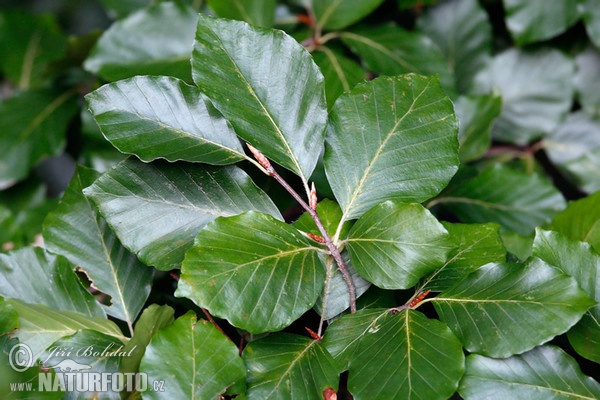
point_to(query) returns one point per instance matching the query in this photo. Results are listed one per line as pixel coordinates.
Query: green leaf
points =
(76, 231)
(396, 356)
(587, 80)
(36, 277)
(574, 147)
(259, 273)
(153, 319)
(274, 98)
(462, 31)
(40, 325)
(157, 209)
(153, 41)
(474, 245)
(591, 17)
(532, 21)
(286, 366)
(28, 44)
(578, 260)
(535, 98)
(580, 221)
(516, 200)
(505, 309)
(162, 117)
(390, 50)
(338, 14)
(341, 73)
(393, 245)
(33, 126)
(476, 115)
(257, 13)
(379, 132)
(543, 373)
(209, 367)
(330, 215)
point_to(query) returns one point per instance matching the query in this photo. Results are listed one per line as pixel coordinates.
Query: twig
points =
(333, 249)
(212, 321)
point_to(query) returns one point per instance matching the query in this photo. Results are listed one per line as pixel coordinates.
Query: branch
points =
(333, 249)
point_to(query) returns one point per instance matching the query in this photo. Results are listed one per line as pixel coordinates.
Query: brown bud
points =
(316, 238)
(313, 197)
(260, 157)
(329, 394)
(313, 334)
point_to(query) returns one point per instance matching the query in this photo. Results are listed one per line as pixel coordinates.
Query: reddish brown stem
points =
(212, 321)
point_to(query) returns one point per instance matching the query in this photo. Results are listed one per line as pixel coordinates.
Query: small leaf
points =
(535, 98)
(578, 260)
(517, 201)
(543, 373)
(505, 309)
(463, 32)
(532, 21)
(379, 132)
(33, 126)
(255, 12)
(259, 273)
(338, 14)
(153, 41)
(587, 80)
(286, 366)
(157, 209)
(162, 117)
(209, 366)
(274, 98)
(394, 244)
(580, 221)
(397, 356)
(36, 277)
(390, 50)
(75, 231)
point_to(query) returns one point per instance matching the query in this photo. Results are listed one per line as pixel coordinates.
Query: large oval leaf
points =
(395, 244)
(199, 361)
(505, 309)
(259, 273)
(391, 138)
(267, 86)
(157, 209)
(286, 366)
(162, 117)
(544, 373)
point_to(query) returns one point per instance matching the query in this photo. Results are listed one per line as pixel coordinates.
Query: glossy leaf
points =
(580, 221)
(75, 231)
(274, 98)
(535, 98)
(162, 117)
(543, 373)
(578, 260)
(474, 245)
(28, 44)
(505, 309)
(532, 21)
(36, 277)
(210, 366)
(33, 126)
(388, 49)
(341, 73)
(591, 17)
(286, 366)
(153, 41)
(397, 356)
(461, 29)
(587, 80)
(157, 209)
(476, 115)
(379, 132)
(393, 245)
(40, 325)
(517, 201)
(574, 147)
(338, 14)
(259, 273)
(257, 13)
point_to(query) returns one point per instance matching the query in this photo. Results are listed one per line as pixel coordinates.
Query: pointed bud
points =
(260, 157)
(316, 238)
(329, 394)
(313, 334)
(313, 197)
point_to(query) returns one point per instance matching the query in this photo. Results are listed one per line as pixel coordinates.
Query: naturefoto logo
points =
(70, 375)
